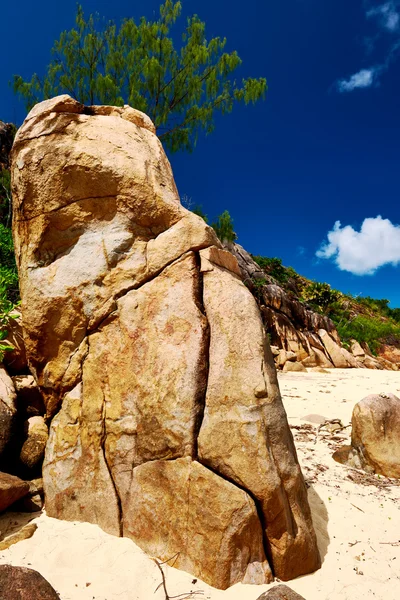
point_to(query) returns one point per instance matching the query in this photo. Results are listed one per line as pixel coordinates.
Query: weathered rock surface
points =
(294, 367)
(20, 583)
(159, 517)
(376, 433)
(36, 436)
(333, 350)
(356, 349)
(169, 425)
(8, 408)
(243, 408)
(280, 592)
(11, 489)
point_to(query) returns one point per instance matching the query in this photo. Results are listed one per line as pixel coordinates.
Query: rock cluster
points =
(167, 422)
(23, 437)
(300, 337)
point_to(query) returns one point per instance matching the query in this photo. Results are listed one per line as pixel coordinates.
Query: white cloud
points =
(387, 14)
(362, 79)
(363, 252)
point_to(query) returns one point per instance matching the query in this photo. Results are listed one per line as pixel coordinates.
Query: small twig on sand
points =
(390, 543)
(354, 543)
(164, 583)
(360, 509)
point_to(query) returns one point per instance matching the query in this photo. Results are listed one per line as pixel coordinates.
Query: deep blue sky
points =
(308, 156)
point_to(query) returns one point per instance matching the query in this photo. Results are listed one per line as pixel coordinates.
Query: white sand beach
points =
(356, 516)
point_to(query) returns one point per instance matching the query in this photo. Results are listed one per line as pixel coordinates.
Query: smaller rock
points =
(376, 433)
(372, 363)
(275, 350)
(280, 592)
(285, 356)
(351, 360)
(333, 349)
(19, 583)
(11, 489)
(32, 451)
(356, 349)
(310, 361)
(347, 455)
(24, 533)
(294, 367)
(29, 399)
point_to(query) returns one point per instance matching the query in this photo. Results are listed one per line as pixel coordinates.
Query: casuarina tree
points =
(180, 79)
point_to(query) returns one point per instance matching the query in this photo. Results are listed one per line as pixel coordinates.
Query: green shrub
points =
(224, 228)
(367, 329)
(320, 295)
(9, 293)
(274, 267)
(198, 210)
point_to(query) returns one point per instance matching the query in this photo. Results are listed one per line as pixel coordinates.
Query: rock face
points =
(297, 330)
(151, 353)
(376, 433)
(8, 408)
(36, 436)
(11, 489)
(20, 583)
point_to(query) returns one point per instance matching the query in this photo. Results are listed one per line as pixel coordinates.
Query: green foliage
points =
(5, 197)
(367, 329)
(274, 267)
(223, 227)
(258, 285)
(320, 295)
(180, 86)
(9, 293)
(198, 210)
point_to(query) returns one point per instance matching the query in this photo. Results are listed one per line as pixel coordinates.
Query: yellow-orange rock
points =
(179, 508)
(150, 352)
(244, 435)
(375, 433)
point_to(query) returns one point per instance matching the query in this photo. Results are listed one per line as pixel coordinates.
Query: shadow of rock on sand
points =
(320, 519)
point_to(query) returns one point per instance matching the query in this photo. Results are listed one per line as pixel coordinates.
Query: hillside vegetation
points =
(364, 319)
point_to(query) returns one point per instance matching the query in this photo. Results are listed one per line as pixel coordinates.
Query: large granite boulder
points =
(167, 421)
(375, 433)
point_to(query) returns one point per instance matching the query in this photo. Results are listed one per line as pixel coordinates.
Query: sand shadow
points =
(320, 519)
